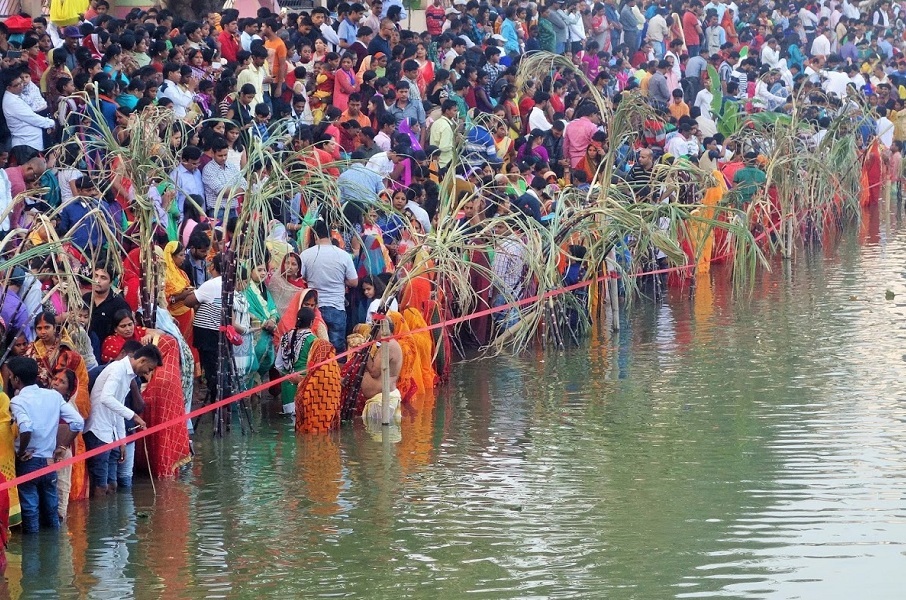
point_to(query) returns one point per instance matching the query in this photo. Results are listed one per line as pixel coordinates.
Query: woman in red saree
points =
(168, 450)
(284, 282)
(55, 353)
(287, 322)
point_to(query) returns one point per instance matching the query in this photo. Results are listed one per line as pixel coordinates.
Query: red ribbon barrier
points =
(264, 386)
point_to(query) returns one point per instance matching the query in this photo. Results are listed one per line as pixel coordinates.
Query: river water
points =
(718, 446)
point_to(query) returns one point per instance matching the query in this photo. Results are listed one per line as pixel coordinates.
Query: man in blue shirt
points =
(81, 216)
(358, 183)
(187, 177)
(38, 413)
(349, 27)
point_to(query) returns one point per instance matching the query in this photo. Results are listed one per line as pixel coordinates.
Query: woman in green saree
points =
(292, 356)
(264, 317)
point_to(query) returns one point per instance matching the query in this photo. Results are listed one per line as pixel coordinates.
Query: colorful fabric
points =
(262, 308)
(175, 281)
(288, 317)
(8, 434)
(424, 345)
(295, 353)
(442, 348)
(168, 450)
(373, 410)
(283, 289)
(51, 363)
(318, 396)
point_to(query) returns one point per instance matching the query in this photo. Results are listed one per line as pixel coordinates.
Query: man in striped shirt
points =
(207, 301)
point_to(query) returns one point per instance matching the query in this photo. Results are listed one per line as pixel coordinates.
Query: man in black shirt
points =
(103, 303)
(553, 143)
(640, 175)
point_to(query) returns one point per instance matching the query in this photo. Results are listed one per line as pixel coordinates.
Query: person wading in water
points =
(372, 387)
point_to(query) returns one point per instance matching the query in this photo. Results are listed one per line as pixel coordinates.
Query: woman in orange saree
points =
(424, 345)
(55, 353)
(318, 395)
(729, 26)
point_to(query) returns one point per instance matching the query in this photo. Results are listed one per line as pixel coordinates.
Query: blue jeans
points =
(335, 320)
(660, 49)
(102, 469)
(37, 497)
(125, 468)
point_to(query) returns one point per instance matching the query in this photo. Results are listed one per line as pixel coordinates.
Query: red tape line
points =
(211, 407)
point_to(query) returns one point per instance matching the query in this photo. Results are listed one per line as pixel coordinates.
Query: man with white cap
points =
(451, 15)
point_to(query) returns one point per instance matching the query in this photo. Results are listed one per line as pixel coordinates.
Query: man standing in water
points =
(373, 387)
(330, 271)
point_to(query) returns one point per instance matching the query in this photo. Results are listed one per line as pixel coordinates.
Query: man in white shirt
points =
(249, 33)
(222, 183)
(26, 127)
(106, 422)
(821, 46)
(172, 89)
(683, 143)
(835, 83)
(657, 33)
(770, 53)
(538, 117)
(37, 413)
(885, 127)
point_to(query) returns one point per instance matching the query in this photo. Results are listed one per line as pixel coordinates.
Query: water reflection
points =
(717, 445)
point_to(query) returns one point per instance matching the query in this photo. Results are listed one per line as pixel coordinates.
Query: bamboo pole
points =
(385, 374)
(613, 291)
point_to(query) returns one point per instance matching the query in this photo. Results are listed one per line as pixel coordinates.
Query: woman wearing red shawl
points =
(287, 322)
(284, 283)
(163, 396)
(589, 163)
(132, 278)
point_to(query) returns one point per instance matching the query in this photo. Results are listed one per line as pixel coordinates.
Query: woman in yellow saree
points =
(177, 287)
(8, 433)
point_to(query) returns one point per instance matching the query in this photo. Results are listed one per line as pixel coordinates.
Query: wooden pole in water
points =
(385, 374)
(613, 291)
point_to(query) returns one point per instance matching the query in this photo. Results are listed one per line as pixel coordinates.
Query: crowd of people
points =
(404, 121)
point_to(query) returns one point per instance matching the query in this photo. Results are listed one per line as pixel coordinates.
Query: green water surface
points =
(716, 447)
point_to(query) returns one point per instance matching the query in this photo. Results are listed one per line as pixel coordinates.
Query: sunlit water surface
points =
(718, 446)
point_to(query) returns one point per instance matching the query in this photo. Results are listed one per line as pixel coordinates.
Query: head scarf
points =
(283, 289)
(406, 127)
(175, 279)
(277, 243)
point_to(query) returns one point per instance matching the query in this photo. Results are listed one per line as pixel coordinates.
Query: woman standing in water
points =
(292, 356)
